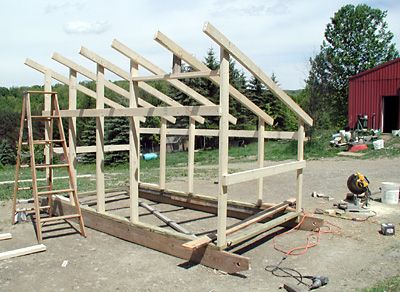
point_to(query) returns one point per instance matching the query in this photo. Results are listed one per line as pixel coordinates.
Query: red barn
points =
(376, 94)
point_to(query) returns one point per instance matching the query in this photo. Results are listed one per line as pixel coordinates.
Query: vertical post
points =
(101, 206)
(47, 107)
(134, 146)
(300, 157)
(72, 92)
(260, 161)
(223, 147)
(163, 152)
(176, 64)
(192, 136)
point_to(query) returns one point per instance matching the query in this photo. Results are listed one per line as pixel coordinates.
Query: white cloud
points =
(57, 6)
(85, 27)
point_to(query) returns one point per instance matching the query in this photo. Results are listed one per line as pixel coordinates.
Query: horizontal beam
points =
(232, 133)
(246, 62)
(92, 149)
(142, 112)
(129, 53)
(194, 74)
(22, 251)
(247, 175)
(198, 65)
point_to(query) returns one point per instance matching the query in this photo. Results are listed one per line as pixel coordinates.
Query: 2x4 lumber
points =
(198, 242)
(4, 236)
(92, 149)
(134, 147)
(260, 158)
(72, 99)
(232, 133)
(223, 147)
(47, 130)
(191, 148)
(299, 174)
(261, 228)
(246, 62)
(92, 76)
(100, 182)
(125, 75)
(163, 152)
(247, 175)
(166, 241)
(144, 112)
(22, 251)
(129, 53)
(194, 74)
(198, 65)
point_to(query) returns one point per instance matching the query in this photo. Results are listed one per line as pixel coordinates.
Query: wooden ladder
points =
(52, 117)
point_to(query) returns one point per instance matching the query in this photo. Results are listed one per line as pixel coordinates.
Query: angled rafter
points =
(246, 62)
(125, 75)
(123, 49)
(198, 65)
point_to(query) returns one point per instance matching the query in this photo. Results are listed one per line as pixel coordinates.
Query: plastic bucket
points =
(378, 144)
(390, 193)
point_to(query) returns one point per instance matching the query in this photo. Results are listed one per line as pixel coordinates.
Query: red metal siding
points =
(367, 89)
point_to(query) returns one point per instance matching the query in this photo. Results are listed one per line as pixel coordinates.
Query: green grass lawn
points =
(387, 285)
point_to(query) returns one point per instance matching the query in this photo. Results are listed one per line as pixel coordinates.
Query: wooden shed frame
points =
(132, 229)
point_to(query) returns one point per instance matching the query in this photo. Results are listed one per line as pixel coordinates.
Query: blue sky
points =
(279, 36)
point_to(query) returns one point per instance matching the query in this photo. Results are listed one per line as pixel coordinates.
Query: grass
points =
(388, 285)
(118, 175)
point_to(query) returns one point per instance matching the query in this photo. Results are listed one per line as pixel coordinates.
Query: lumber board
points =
(163, 152)
(260, 158)
(193, 74)
(299, 174)
(198, 65)
(246, 62)
(200, 241)
(247, 175)
(92, 149)
(4, 236)
(22, 251)
(166, 241)
(129, 53)
(144, 112)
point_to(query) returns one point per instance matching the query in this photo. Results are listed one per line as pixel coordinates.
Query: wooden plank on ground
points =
(4, 236)
(166, 241)
(22, 251)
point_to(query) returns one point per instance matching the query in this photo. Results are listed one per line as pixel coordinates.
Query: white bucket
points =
(378, 144)
(390, 193)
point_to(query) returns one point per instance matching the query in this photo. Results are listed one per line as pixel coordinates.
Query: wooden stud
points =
(223, 147)
(191, 148)
(176, 64)
(198, 65)
(100, 185)
(260, 159)
(4, 236)
(72, 126)
(134, 147)
(221, 40)
(123, 49)
(300, 158)
(163, 152)
(47, 107)
(22, 251)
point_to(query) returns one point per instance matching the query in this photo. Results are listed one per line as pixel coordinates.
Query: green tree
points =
(356, 39)
(7, 155)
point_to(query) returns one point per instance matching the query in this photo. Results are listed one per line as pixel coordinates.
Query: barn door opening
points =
(391, 113)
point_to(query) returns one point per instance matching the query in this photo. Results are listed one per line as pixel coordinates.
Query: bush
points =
(7, 155)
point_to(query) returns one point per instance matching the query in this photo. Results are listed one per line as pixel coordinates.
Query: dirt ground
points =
(356, 257)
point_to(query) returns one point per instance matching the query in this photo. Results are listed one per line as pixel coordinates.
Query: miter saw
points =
(358, 199)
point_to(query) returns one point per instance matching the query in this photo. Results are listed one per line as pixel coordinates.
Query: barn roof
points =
(379, 67)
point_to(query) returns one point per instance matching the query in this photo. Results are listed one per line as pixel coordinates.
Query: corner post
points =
(300, 157)
(191, 148)
(72, 92)
(223, 146)
(134, 146)
(260, 158)
(100, 186)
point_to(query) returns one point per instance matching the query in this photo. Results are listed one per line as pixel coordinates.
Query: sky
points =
(279, 36)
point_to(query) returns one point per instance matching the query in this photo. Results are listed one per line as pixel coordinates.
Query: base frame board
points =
(170, 242)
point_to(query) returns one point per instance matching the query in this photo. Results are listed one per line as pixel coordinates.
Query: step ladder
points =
(52, 117)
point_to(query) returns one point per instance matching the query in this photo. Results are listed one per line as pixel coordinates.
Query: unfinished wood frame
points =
(173, 242)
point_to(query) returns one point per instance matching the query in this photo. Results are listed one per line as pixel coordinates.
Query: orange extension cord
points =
(313, 238)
